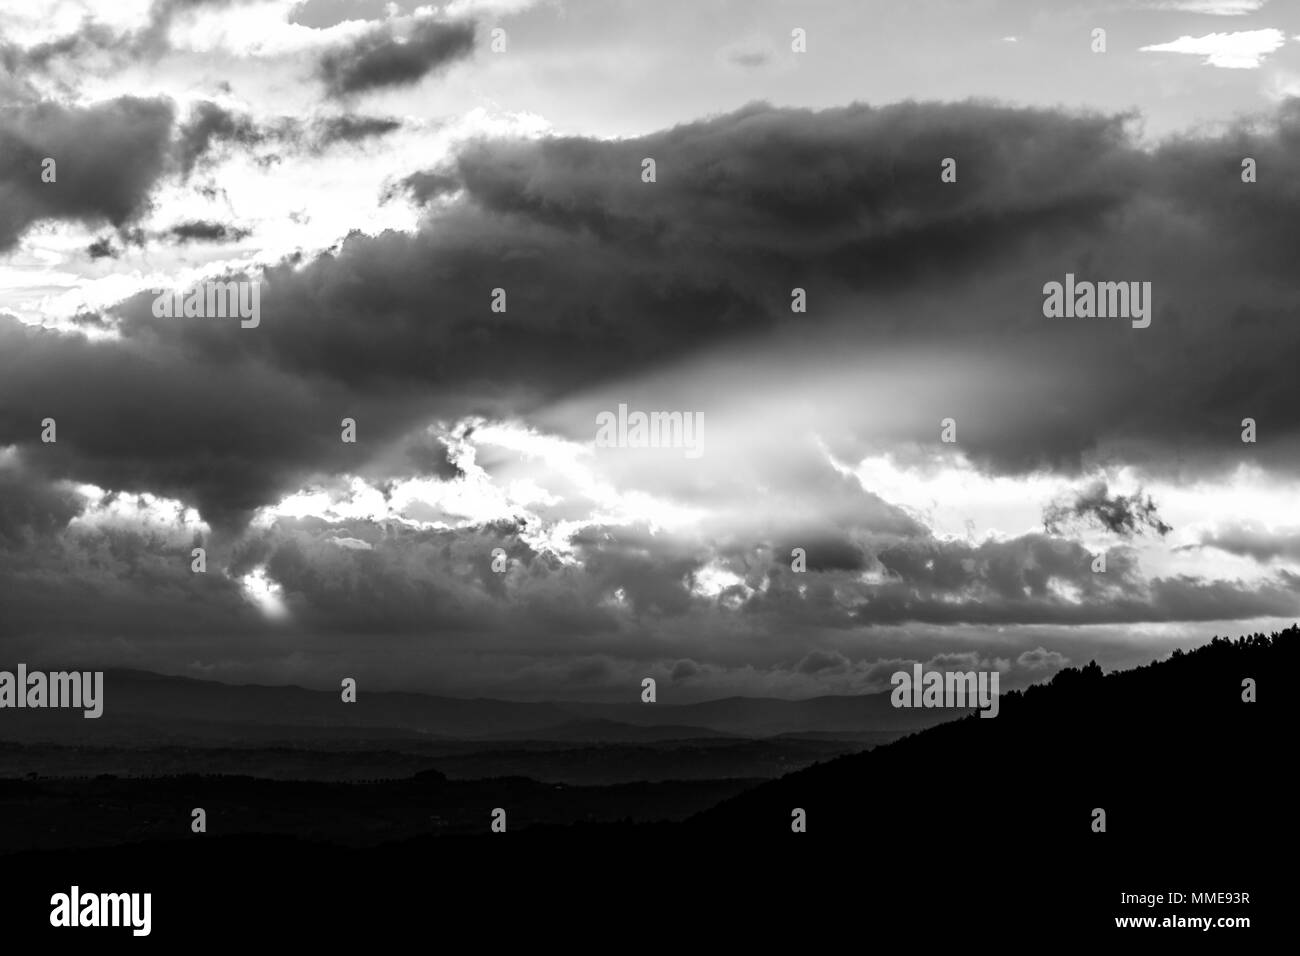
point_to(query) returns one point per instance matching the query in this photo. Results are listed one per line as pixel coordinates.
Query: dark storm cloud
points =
(32, 509)
(134, 600)
(1009, 571)
(101, 248)
(652, 576)
(609, 276)
(602, 281)
(203, 231)
(378, 59)
(429, 457)
(852, 190)
(1262, 544)
(818, 661)
(209, 124)
(684, 669)
(848, 202)
(1263, 221)
(226, 435)
(425, 186)
(1034, 579)
(1124, 515)
(407, 581)
(352, 129)
(342, 583)
(1030, 580)
(426, 306)
(109, 156)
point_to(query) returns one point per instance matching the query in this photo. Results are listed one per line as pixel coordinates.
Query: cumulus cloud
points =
(379, 59)
(108, 159)
(684, 670)
(1245, 50)
(209, 124)
(1262, 544)
(1040, 659)
(1124, 515)
(818, 661)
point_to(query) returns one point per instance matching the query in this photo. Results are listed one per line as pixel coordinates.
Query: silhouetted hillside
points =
(1170, 751)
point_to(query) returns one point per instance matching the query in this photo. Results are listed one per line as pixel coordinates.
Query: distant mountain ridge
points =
(143, 708)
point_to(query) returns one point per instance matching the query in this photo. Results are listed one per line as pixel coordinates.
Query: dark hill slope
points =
(1170, 751)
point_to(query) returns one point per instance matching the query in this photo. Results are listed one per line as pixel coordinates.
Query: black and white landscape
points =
(528, 455)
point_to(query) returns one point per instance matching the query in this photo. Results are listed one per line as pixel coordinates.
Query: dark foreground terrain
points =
(975, 829)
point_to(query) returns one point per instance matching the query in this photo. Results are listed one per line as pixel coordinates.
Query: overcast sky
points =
(379, 169)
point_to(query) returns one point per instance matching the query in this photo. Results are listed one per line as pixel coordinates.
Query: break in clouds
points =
(475, 537)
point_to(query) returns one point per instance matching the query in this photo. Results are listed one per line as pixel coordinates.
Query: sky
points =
(378, 170)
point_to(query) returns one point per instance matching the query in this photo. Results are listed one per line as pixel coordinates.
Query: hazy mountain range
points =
(144, 709)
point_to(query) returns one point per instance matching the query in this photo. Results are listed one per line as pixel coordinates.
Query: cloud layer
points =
(476, 424)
